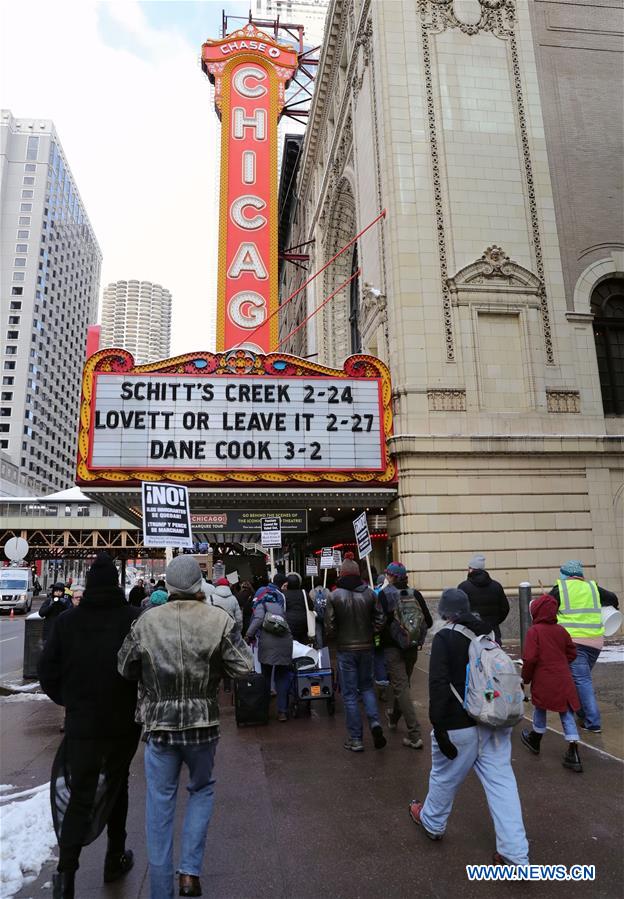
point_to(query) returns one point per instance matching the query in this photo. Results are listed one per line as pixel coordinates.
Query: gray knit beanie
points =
(453, 603)
(477, 562)
(184, 576)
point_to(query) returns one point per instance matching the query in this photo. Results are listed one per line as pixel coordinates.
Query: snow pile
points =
(23, 697)
(27, 837)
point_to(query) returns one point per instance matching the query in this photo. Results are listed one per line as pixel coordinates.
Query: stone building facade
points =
(478, 288)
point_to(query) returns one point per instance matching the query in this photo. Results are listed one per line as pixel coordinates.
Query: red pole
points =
(381, 215)
(318, 308)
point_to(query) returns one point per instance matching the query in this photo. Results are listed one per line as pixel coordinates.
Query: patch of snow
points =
(19, 687)
(21, 793)
(4, 788)
(27, 840)
(23, 697)
(612, 653)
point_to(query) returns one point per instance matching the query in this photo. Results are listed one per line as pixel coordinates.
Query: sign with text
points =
(271, 532)
(295, 521)
(311, 568)
(337, 558)
(362, 535)
(327, 557)
(250, 71)
(234, 417)
(166, 517)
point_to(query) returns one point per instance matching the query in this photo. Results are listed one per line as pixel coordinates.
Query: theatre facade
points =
(493, 288)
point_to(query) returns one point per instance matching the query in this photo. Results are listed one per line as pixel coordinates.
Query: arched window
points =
(354, 305)
(607, 305)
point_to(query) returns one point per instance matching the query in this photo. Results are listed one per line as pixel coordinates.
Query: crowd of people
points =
(152, 666)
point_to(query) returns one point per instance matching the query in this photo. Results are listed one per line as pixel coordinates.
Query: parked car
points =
(16, 589)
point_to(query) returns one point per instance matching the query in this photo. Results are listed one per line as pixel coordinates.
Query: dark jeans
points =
(283, 680)
(400, 665)
(85, 759)
(356, 680)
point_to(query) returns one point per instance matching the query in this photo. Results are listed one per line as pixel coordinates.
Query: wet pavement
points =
(298, 817)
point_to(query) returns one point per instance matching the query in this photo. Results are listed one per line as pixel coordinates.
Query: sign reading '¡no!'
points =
(250, 72)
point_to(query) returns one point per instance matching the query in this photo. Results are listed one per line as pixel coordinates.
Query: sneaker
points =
(499, 859)
(392, 725)
(282, 716)
(413, 744)
(415, 808)
(116, 864)
(354, 745)
(591, 730)
(378, 736)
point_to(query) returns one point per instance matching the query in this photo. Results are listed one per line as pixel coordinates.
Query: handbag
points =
(275, 624)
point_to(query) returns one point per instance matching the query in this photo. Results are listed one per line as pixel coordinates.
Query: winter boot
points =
(531, 740)
(571, 759)
(63, 885)
(117, 864)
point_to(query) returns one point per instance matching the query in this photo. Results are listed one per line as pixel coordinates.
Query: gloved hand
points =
(446, 747)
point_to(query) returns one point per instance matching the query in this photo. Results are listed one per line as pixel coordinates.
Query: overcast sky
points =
(122, 82)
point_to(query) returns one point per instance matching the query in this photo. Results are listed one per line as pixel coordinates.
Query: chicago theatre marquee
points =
(248, 427)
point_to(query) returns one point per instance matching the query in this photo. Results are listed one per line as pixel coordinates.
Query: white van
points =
(16, 589)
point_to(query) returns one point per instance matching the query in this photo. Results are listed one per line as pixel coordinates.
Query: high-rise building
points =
(136, 316)
(310, 13)
(49, 284)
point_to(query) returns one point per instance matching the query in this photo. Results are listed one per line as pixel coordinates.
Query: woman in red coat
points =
(548, 651)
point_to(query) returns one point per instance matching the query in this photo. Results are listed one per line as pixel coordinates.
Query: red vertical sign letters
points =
(250, 72)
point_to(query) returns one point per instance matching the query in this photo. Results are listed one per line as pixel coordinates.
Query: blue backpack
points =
(320, 601)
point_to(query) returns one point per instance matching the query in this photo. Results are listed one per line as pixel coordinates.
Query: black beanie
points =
(102, 573)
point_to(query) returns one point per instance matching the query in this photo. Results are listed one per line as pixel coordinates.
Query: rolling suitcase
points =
(251, 700)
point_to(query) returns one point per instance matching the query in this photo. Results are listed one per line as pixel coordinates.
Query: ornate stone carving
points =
(447, 399)
(563, 400)
(497, 17)
(494, 270)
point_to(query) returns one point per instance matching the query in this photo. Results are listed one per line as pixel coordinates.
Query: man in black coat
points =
(53, 606)
(78, 669)
(486, 595)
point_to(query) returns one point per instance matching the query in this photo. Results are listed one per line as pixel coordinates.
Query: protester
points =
(400, 658)
(382, 681)
(137, 594)
(579, 602)
(299, 611)
(69, 590)
(352, 616)
(223, 597)
(318, 596)
(274, 648)
(78, 669)
(157, 597)
(77, 596)
(178, 653)
(150, 586)
(547, 652)
(53, 606)
(244, 598)
(458, 744)
(279, 579)
(487, 597)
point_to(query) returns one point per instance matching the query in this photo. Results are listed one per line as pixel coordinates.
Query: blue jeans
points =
(581, 669)
(162, 773)
(356, 680)
(379, 667)
(283, 681)
(489, 753)
(568, 724)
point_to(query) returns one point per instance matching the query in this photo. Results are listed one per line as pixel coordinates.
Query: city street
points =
(297, 816)
(12, 644)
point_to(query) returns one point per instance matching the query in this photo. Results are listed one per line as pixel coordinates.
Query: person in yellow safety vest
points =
(580, 603)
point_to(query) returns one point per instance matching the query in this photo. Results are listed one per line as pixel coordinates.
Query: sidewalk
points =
(297, 817)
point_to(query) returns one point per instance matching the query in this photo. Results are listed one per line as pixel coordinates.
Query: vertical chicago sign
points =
(250, 72)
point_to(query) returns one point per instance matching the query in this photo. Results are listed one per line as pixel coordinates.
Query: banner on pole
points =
(311, 567)
(362, 535)
(166, 516)
(271, 532)
(327, 557)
